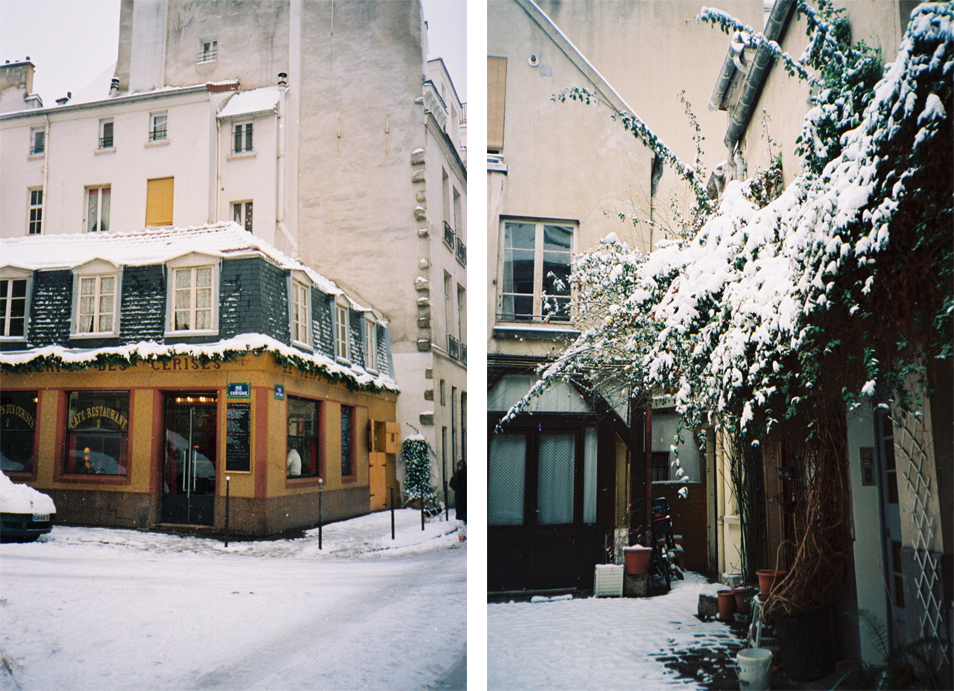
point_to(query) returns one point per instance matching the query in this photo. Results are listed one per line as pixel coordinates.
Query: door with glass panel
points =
(542, 507)
(189, 459)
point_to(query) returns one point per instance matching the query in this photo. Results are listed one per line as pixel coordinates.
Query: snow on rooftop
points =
(249, 102)
(149, 246)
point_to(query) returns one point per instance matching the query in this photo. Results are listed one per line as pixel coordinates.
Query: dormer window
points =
(96, 291)
(208, 51)
(300, 309)
(371, 345)
(193, 295)
(342, 341)
(14, 302)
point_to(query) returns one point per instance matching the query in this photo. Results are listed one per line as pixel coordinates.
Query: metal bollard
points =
(392, 512)
(320, 522)
(227, 480)
(422, 512)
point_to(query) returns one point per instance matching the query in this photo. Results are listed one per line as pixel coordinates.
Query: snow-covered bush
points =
(417, 470)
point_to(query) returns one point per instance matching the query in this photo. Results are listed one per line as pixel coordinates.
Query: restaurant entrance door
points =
(189, 462)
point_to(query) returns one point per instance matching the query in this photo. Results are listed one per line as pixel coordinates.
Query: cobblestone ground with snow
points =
(89, 608)
(611, 643)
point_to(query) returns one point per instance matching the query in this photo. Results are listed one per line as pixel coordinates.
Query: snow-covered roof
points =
(150, 246)
(252, 102)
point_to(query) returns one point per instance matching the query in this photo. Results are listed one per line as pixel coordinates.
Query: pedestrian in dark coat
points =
(458, 483)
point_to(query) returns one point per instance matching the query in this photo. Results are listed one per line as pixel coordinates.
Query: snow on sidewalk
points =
(361, 536)
(601, 642)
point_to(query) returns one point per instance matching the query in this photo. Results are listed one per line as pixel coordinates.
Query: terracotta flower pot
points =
(726, 604)
(637, 559)
(767, 580)
(741, 599)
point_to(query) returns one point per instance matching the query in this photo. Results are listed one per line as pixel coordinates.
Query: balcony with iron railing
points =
(106, 142)
(461, 252)
(453, 347)
(449, 236)
(207, 55)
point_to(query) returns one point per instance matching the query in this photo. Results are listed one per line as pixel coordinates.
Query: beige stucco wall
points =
(564, 161)
(650, 50)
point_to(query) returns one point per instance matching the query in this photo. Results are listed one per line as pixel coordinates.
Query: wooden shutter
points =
(496, 99)
(159, 202)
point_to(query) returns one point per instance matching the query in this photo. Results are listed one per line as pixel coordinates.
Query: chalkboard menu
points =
(238, 456)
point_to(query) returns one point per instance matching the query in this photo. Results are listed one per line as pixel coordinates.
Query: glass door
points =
(189, 462)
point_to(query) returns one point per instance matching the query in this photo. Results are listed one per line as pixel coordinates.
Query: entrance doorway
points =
(542, 490)
(189, 461)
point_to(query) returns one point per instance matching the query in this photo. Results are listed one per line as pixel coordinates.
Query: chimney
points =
(282, 79)
(114, 86)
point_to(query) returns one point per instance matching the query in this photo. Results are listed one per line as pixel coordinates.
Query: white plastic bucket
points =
(754, 667)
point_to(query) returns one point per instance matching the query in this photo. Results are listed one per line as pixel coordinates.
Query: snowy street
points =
(619, 643)
(90, 608)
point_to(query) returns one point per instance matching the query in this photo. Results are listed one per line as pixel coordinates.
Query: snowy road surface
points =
(114, 609)
(605, 643)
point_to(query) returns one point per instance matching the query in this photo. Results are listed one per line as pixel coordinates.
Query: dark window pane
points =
(520, 235)
(346, 465)
(557, 238)
(18, 422)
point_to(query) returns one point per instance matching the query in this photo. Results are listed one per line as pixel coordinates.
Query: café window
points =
(97, 430)
(17, 431)
(302, 458)
(347, 441)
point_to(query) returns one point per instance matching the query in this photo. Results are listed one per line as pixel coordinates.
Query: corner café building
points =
(141, 371)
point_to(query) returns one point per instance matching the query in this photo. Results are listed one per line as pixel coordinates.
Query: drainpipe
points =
(757, 74)
(218, 167)
(280, 164)
(46, 167)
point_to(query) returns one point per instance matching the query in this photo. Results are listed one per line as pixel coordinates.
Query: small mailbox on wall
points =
(867, 467)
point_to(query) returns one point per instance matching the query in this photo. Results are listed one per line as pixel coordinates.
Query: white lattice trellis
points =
(911, 443)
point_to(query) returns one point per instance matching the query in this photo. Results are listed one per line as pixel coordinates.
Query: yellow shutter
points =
(159, 202)
(496, 99)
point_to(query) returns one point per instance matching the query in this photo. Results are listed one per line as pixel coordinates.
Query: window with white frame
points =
(97, 208)
(13, 306)
(106, 133)
(370, 346)
(342, 345)
(301, 312)
(193, 298)
(158, 126)
(208, 51)
(36, 212)
(242, 214)
(242, 138)
(536, 262)
(37, 141)
(96, 308)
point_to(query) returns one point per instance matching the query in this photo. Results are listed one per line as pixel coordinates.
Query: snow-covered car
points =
(25, 513)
